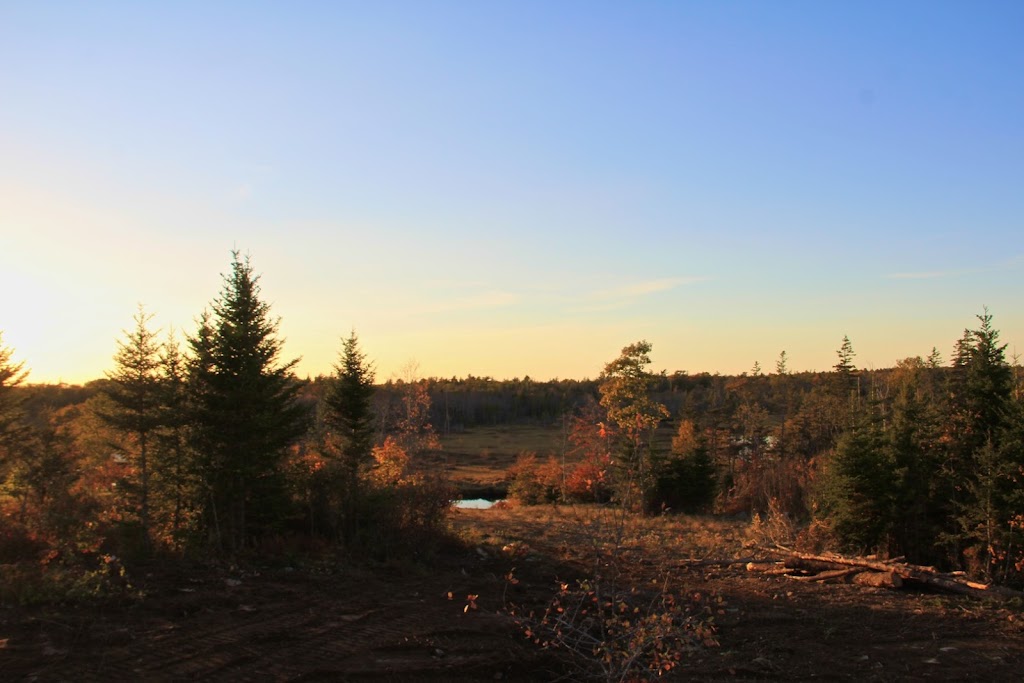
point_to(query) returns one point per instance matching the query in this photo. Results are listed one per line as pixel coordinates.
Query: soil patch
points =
(418, 622)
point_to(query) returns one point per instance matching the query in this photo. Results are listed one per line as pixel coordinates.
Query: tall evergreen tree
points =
(349, 406)
(781, 367)
(847, 379)
(174, 472)
(913, 438)
(980, 466)
(350, 420)
(989, 382)
(11, 375)
(12, 426)
(135, 397)
(686, 481)
(244, 414)
(845, 367)
(856, 491)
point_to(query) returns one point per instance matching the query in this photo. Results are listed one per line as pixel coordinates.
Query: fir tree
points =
(135, 397)
(349, 416)
(244, 414)
(11, 375)
(349, 406)
(847, 379)
(686, 481)
(913, 439)
(845, 367)
(858, 487)
(781, 366)
(980, 465)
(173, 474)
(12, 425)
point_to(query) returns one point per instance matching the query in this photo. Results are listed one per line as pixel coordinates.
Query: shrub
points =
(533, 483)
(588, 481)
(685, 483)
(406, 517)
(622, 635)
(617, 624)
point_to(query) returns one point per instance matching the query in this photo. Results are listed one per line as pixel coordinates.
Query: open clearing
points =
(410, 622)
(475, 460)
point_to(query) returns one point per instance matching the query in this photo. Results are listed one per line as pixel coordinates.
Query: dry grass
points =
(482, 455)
(620, 611)
(584, 532)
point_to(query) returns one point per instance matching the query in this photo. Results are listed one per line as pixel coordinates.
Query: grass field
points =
(478, 458)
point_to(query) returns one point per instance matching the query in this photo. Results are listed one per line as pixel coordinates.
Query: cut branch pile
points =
(868, 571)
(863, 571)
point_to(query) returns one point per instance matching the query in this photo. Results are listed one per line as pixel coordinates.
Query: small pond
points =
(474, 503)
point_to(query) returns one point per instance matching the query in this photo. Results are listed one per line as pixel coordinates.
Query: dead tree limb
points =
(712, 562)
(825, 577)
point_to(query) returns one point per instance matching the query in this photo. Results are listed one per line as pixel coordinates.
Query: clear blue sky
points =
(512, 188)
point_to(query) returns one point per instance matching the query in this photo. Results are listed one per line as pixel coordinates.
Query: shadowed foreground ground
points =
(400, 623)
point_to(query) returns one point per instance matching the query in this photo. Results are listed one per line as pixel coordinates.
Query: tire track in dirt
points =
(267, 631)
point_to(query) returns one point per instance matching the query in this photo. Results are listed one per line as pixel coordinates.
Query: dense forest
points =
(211, 444)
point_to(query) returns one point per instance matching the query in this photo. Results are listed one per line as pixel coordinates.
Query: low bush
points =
(533, 483)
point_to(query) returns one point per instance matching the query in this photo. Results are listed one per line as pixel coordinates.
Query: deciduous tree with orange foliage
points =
(626, 396)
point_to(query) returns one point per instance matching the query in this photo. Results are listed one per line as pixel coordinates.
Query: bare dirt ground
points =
(416, 622)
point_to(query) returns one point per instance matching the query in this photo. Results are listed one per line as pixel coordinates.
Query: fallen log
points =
(834, 561)
(878, 579)
(811, 565)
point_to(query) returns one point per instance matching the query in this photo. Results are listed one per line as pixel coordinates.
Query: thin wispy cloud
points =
(452, 283)
(927, 275)
(599, 308)
(619, 297)
(934, 274)
(1013, 262)
(654, 286)
(480, 301)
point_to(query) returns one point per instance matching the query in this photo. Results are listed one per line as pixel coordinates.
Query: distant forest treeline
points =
(457, 404)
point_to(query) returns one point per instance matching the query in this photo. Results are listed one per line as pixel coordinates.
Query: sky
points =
(515, 188)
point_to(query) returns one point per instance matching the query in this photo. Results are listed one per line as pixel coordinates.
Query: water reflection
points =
(475, 503)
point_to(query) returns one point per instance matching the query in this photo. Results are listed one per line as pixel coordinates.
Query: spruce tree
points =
(173, 473)
(135, 397)
(913, 439)
(845, 367)
(781, 367)
(989, 382)
(11, 375)
(349, 406)
(847, 380)
(858, 487)
(981, 465)
(349, 417)
(12, 426)
(686, 481)
(243, 411)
